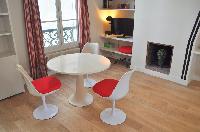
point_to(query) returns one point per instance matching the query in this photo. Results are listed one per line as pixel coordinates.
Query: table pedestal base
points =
(80, 98)
(87, 100)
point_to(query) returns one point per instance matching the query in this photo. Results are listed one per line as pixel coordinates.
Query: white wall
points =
(96, 25)
(18, 28)
(166, 22)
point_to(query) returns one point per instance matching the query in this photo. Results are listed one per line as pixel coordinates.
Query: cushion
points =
(105, 87)
(125, 49)
(46, 84)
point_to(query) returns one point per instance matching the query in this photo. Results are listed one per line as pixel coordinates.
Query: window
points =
(59, 24)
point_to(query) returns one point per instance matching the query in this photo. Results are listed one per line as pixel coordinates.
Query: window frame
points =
(61, 45)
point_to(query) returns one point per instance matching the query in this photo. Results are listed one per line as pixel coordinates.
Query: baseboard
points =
(196, 77)
(162, 76)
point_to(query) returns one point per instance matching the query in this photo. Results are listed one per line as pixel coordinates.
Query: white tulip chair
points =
(113, 90)
(42, 87)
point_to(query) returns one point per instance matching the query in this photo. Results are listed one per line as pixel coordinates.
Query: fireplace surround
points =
(170, 23)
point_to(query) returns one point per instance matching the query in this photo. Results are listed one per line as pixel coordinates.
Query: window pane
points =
(49, 22)
(68, 8)
(69, 16)
(47, 10)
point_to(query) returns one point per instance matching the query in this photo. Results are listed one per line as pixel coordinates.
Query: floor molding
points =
(162, 76)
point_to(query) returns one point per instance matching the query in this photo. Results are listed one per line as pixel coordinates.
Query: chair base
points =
(118, 118)
(41, 114)
(89, 83)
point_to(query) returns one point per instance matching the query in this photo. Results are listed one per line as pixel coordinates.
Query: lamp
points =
(109, 18)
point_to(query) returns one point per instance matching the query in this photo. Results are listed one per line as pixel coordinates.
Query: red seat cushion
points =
(105, 87)
(46, 84)
(125, 49)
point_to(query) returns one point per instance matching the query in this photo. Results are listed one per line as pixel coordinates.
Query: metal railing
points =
(51, 38)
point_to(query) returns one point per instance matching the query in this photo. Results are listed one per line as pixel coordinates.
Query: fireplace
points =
(159, 57)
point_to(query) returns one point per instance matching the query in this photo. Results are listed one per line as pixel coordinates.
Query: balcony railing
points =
(51, 38)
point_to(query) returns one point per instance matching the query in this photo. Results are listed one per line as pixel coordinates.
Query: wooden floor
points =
(152, 105)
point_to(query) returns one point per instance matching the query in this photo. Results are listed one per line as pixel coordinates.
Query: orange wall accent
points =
(103, 14)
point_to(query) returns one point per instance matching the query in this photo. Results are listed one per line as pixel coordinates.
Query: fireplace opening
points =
(159, 57)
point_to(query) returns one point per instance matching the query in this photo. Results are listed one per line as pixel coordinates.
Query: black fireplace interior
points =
(152, 57)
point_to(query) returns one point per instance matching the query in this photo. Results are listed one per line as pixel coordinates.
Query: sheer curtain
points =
(34, 38)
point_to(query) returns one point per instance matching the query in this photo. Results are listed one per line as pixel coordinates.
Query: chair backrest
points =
(92, 48)
(28, 80)
(122, 87)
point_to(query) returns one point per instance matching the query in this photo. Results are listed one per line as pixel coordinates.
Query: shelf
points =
(3, 6)
(196, 51)
(4, 25)
(5, 34)
(119, 39)
(6, 46)
(118, 9)
(3, 14)
(6, 54)
(114, 51)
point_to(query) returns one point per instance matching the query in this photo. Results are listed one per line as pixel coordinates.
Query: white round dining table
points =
(79, 64)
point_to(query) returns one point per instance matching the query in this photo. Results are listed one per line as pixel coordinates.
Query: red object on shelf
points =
(125, 49)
